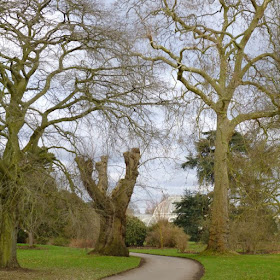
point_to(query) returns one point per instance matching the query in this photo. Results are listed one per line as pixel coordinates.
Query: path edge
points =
(141, 263)
(197, 276)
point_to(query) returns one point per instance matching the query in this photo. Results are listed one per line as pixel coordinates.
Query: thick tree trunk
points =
(219, 228)
(106, 221)
(8, 235)
(111, 241)
(111, 207)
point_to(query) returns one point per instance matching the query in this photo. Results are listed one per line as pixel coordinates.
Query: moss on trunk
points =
(8, 235)
(111, 241)
(111, 207)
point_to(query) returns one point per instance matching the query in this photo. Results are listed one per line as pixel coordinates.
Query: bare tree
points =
(59, 61)
(213, 49)
(112, 206)
(34, 209)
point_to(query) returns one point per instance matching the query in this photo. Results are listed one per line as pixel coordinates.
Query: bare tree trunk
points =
(111, 240)
(30, 238)
(8, 237)
(111, 207)
(219, 228)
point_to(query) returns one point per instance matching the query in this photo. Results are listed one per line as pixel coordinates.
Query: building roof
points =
(164, 210)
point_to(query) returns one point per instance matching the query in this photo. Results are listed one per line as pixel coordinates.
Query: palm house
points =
(163, 211)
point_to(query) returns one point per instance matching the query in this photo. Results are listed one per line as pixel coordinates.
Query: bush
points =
(81, 243)
(164, 234)
(181, 240)
(60, 241)
(253, 234)
(136, 232)
(43, 240)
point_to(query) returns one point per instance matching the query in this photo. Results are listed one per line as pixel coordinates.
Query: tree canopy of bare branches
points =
(59, 62)
(224, 53)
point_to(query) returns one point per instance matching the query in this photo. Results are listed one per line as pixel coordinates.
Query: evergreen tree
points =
(193, 213)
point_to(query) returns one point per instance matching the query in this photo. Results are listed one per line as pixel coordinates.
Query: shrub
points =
(252, 234)
(60, 241)
(164, 234)
(136, 232)
(181, 240)
(42, 240)
(81, 243)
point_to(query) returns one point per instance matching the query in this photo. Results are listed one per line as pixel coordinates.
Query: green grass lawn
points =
(239, 267)
(61, 263)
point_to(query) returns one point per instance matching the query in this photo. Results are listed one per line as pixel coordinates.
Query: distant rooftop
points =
(164, 210)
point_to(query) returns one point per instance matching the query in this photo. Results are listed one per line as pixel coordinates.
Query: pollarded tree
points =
(59, 61)
(222, 53)
(111, 206)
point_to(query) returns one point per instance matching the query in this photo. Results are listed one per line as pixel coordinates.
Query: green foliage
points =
(193, 215)
(136, 232)
(52, 214)
(203, 160)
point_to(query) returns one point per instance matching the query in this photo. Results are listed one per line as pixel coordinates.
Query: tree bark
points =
(111, 240)
(219, 228)
(111, 207)
(30, 239)
(8, 237)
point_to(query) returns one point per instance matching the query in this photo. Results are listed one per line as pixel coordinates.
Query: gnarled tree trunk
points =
(111, 207)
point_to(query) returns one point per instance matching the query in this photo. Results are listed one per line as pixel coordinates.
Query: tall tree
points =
(110, 206)
(59, 61)
(212, 48)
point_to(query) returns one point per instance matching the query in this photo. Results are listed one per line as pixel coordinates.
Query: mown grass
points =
(239, 267)
(61, 263)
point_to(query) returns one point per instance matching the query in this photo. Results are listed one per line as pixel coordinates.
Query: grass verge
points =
(239, 267)
(52, 262)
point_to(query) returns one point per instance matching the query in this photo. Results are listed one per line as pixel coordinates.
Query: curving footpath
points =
(163, 268)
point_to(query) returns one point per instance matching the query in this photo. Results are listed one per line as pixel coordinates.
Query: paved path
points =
(161, 268)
